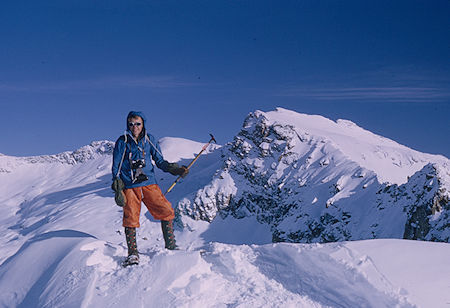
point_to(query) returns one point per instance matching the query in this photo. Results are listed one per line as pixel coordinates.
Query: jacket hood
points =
(132, 114)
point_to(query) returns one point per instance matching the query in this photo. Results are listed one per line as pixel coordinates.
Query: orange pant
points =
(154, 200)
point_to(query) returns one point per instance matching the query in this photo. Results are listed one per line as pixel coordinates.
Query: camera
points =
(139, 175)
(136, 164)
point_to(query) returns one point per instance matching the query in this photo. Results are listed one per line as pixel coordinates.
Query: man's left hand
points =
(175, 169)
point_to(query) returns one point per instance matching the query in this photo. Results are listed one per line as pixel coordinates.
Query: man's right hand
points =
(119, 197)
(117, 184)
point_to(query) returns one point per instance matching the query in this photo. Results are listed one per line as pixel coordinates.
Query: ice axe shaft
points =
(192, 162)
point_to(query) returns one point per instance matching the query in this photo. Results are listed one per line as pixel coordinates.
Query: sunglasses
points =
(131, 124)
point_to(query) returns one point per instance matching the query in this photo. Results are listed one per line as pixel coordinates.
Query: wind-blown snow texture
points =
(62, 240)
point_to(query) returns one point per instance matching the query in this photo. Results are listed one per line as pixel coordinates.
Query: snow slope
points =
(62, 243)
(175, 149)
(391, 161)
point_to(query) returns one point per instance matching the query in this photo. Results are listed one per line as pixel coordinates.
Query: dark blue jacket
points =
(146, 148)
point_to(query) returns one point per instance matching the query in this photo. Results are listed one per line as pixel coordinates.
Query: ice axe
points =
(192, 162)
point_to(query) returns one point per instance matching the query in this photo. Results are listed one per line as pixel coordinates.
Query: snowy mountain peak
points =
(390, 161)
(314, 180)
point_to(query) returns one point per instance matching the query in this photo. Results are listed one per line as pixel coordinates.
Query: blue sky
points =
(71, 70)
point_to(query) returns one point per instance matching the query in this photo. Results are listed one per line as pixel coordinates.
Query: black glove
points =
(175, 169)
(118, 186)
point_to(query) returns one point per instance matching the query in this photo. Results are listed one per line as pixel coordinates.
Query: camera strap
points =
(134, 175)
(151, 143)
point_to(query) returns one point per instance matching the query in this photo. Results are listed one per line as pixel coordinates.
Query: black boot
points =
(169, 237)
(133, 255)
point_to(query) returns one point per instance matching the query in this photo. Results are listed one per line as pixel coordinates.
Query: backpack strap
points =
(123, 155)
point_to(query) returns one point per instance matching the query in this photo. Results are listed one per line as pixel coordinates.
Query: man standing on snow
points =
(134, 182)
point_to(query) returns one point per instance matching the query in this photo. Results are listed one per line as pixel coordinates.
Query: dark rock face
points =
(428, 209)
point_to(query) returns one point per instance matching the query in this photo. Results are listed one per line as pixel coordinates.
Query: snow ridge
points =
(88, 152)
